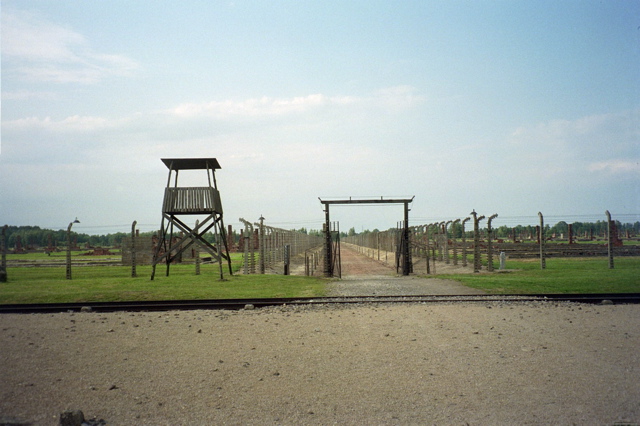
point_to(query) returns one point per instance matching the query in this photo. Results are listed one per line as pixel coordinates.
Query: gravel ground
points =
(498, 363)
(455, 363)
(397, 286)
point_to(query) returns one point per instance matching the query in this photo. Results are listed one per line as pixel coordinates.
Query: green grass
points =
(114, 283)
(562, 275)
(47, 284)
(42, 258)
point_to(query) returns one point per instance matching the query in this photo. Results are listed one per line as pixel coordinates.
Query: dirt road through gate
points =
(363, 276)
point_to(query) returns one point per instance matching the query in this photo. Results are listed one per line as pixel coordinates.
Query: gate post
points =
(328, 270)
(406, 256)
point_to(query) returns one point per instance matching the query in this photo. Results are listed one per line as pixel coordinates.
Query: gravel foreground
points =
(475, 363)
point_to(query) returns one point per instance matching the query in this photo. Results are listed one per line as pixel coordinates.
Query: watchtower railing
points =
(192, 200)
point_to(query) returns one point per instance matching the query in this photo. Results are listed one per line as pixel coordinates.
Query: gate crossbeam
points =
(380, 200)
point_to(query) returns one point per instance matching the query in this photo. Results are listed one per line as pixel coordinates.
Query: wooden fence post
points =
(196, 251)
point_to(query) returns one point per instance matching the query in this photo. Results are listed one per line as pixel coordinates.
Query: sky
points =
(506, 107)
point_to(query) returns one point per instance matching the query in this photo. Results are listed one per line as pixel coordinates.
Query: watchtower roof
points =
(191, 163)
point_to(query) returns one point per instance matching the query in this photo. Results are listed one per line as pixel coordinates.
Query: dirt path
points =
(358, 265)
(364, 276)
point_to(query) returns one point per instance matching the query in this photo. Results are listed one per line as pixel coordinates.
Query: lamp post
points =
(69, 248)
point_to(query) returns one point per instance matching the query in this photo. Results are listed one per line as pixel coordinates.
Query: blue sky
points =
(504, 107)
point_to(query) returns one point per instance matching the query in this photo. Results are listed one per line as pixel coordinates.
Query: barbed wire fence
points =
(433, 246)
(280, 251)
(445, 242)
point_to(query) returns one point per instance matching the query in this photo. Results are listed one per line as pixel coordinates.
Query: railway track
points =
(236, 304)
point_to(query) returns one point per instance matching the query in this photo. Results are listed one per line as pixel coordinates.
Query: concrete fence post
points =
(570, 233)
(446, 241)
(287, 258)
(543, 261)
(489, 243)
(477, 264)
(464, 242)
(262, 248)
(133, 249)
(609, 238)
(425, 240)
(434, 234)
(454, 241)
(3, 261)
(69, 251)
(440, 242)
(245, 246)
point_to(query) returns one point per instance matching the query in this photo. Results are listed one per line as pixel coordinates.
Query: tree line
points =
(34, 236)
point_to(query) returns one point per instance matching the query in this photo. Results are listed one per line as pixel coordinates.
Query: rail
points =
(236, 304)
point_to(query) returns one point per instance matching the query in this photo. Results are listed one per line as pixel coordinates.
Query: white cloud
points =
(74, 123)
(258, 107)
(393, 98)
(586, 141)
(616, 167)
(22, 95)
(399, 97)
(39, 50)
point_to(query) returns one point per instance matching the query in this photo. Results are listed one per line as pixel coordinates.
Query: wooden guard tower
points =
(182, 201)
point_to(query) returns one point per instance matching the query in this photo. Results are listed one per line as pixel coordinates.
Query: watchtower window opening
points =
(191, 200)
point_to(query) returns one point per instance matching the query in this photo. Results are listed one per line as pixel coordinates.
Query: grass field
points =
(562, 275)
(47, 284)
(114, 283)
